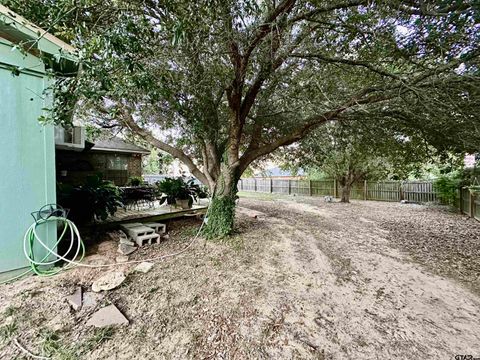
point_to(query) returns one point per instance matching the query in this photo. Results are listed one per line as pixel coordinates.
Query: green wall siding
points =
(27, 154)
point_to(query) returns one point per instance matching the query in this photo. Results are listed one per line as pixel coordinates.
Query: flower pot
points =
(184, 204)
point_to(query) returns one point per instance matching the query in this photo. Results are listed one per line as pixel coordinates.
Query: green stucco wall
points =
(27, 161)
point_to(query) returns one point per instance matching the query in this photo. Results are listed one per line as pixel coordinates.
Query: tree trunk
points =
(221, 212)
(346, 189)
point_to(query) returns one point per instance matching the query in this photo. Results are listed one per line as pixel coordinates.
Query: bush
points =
(447, 188)
(135, 181)
(203, 192)
(95, 200)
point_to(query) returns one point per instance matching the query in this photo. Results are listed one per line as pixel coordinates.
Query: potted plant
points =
(135, 181)
(178, 191)
(96, 199)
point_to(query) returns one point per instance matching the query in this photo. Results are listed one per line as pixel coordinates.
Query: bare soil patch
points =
(311, 280)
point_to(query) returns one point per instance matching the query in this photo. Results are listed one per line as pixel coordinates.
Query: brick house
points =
(114, 158)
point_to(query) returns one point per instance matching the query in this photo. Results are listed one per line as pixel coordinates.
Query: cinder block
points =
(130, 225)
(141, 233)
(150, 238)
(158, 227)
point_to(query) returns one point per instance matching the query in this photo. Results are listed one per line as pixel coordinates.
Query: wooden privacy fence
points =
(469, 203)
(415, 191)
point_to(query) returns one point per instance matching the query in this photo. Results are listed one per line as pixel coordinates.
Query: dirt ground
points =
(310, 280)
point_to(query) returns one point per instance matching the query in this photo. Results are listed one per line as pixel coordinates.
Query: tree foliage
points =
(157, 162)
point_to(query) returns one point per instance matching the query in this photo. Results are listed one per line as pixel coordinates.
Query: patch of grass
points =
(259, 195)
(7, 331)
(53, 347)
(99, 336)
(215, 261)
(188, 232)
(9, 311)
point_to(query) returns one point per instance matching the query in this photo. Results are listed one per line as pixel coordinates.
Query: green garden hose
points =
(31, 237)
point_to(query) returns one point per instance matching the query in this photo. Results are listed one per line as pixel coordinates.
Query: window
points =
(117, 162)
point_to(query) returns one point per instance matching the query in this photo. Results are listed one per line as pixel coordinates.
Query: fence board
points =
(465, 201)
(323, 187)
(384, 191)
(420, 191)
(476, 207)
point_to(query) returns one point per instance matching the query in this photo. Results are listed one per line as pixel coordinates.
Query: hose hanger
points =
(48, 211)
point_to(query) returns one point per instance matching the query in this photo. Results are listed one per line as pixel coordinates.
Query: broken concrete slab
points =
(126, 241)
(144, 267)
(108, 281)
(107, 316)
(90, 300)
(121, 258)
(75, 300)
(126, 249)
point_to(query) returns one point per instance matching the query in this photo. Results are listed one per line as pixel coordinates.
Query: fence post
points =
(401, 191)
(472, 204)
(309, 187)
(289, 187)
(271, 185)
(334, 188)
(365, 190)
(460, 200)
(255, 184)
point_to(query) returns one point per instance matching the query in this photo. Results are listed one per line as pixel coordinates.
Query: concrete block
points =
(107, 316)
(130, 225)
(150, 239)
(158, 227)
(142, 234)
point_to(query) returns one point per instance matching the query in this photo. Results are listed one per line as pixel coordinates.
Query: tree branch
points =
(130, 123)
(311, 123)
(347, 62)
(345, 5)
(264, 29)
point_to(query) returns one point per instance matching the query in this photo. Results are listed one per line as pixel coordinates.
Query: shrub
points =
(95, 200)
(203, 192)
(135, 181)
(447, 188)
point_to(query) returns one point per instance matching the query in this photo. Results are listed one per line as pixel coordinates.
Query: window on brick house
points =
(117, 162)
